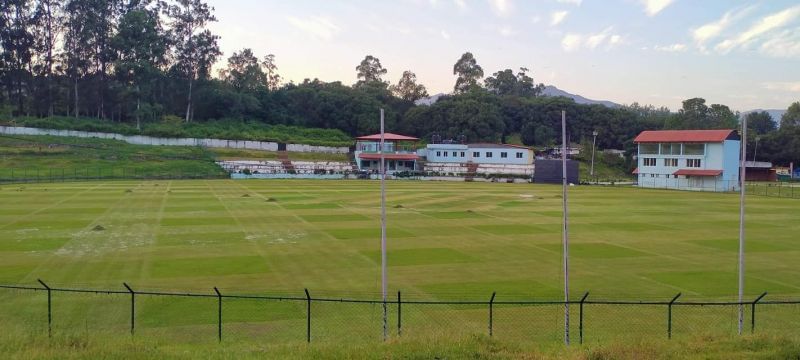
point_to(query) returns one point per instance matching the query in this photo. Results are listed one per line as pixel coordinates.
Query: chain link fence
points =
(216, 316)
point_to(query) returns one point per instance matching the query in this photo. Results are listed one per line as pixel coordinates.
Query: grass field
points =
(447, 241)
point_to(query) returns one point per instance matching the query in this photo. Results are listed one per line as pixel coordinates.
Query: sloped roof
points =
(635, 171)
(387, 136)
(698, 172)
(686, 136)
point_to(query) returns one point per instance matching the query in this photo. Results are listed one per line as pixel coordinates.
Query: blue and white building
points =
(478, 158)
(706, 160)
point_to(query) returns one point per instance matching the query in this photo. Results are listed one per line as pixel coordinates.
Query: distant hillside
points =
(551, 90)
(775, 113)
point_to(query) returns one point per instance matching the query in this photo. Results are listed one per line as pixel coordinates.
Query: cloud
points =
(461, 4)
(574, 42)
(445, 35)
(761, 27)
(536, 19)
(790, 86)
(557, 17)
(317, 26)
(501, 7)
(507, 31)
(711, 30)
(671, 48)
(573, 2)
(571, 42)
(653, 7)
(786, 44)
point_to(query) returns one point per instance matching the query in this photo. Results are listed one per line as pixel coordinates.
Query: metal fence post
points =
(491, 313)
(133, 307)
(753, 312)
(399, 315)
(580, 318)
(669, 315)
(308, 316)
(219, 314)
(49, 309)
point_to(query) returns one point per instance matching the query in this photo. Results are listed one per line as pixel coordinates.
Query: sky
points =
(745, 54)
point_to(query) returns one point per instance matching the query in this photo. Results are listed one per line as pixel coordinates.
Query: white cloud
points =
(783, 45)
(536, 19)
(506, 31)
(461, 4)
(761, 27)
(574, 2)
(501, 7)
(671, 48)
(790, 86)
(571, 42)
(445, 35)
(713, 29)
(595, 40)
(557, 17)
(318, 26)
(653, 7)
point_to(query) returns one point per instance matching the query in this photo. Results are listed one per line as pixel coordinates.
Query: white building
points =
(705, 160)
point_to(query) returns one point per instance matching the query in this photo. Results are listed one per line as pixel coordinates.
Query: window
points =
(652, 175)
(648, 149)
(670, 149)
(649, 161)
(462, 154)
(694, 149)
(671, 162)
(476, 154)
(445, 154)
(519, 155)
(438, 153)
(694, 163)
(503, 154)
(488, 154)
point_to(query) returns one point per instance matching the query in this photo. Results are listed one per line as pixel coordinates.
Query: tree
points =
(791, 118)
(273, 79)
(468, 73)
(760, 123)
(408, 89)
(196, 47)
(244, 72)
(47, 25)
(78, 46)
(141, 47)
(369, 72)
(17, 43)
(507, 83)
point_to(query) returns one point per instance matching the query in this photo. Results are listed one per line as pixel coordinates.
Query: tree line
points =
(145, 62)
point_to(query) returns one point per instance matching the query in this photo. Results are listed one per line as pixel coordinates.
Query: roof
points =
(635, 171)
(698, 172)
(387, 137)
(686, 136)
(758, 164)
(377, 156)
(496, 146)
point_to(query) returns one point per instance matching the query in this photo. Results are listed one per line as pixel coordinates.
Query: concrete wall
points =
(149, 140)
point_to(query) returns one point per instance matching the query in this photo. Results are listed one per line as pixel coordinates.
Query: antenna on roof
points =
(436, 138)
(462, 138)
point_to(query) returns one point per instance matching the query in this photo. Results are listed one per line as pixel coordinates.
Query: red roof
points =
(698, 172)
(690, 136)
(387, 137)
(635, 171)
(377, 156)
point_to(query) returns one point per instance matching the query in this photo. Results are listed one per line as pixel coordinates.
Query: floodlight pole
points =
(594, 142)
(383, 233)
(565, 228)
(742, 173)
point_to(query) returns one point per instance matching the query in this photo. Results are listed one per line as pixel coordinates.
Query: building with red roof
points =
(399, 152)
(705, 160)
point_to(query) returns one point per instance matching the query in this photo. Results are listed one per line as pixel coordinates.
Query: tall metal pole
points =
(565, 229)
(742, 171)
(383, 233)
(594, 145)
